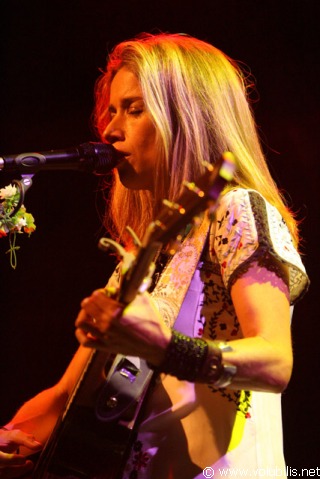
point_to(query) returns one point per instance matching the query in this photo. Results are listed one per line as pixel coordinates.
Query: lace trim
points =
(266, 254)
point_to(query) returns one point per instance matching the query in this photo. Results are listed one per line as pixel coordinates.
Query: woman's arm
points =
(39, 415)
(263, 357)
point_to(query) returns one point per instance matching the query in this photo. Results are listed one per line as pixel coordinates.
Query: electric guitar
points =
(92, 438)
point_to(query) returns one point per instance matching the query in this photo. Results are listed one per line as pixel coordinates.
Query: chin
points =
(132, 180)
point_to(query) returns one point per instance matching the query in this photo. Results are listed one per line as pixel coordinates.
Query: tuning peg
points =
(229, 165)
(134, 236)
(207, 165)
(106, 244)
(174, 206)
(194, 188)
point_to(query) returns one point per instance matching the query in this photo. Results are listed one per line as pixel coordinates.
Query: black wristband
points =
(184, 358)
(195, 360)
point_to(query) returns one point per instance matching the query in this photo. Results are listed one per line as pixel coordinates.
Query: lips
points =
(122, 154)
(123, 161)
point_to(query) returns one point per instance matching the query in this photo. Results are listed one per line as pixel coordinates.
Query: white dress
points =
(191, 431)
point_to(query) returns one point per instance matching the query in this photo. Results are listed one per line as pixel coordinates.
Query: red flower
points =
(141, 460)
(2, 233)
(28, 230)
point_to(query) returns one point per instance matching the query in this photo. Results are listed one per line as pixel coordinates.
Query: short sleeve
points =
(248, 229)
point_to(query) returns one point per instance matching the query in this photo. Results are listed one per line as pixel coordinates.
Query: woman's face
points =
(132, 132)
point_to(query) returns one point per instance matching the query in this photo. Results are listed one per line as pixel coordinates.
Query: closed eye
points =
(135, 111)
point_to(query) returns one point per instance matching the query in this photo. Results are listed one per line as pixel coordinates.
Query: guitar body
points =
(85, 449)
(93, 436)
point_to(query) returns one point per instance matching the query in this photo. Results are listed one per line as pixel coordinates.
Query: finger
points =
(94, 322)
(11, 459)
(82, 337)
(100, 307)
(9, 472)
(29, 441)
(14, 465)
(103, 302)
(89, 332)
(11, 439)
(98, 311)
(91, 306)
(88, 341)
(114, 306)
(83, 317)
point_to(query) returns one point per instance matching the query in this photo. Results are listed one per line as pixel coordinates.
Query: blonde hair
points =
(197, 98)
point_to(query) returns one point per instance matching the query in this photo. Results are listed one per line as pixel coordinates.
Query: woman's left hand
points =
(13, 464)
(136, 330)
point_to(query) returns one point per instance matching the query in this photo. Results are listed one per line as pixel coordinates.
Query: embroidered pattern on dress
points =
(221, 323)
(139, 460)
(241, 398)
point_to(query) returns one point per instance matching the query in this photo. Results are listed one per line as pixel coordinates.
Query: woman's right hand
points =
(13, 464)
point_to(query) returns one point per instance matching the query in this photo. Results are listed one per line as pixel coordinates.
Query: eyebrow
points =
(125, 102)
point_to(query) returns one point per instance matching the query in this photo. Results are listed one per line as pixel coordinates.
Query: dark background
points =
(51, 53)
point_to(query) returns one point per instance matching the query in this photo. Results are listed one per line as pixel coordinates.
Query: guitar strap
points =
(171, 290)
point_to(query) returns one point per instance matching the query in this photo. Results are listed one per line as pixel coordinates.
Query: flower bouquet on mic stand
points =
(14, 218)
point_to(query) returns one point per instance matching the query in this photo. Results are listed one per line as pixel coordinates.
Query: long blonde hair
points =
(197, 98)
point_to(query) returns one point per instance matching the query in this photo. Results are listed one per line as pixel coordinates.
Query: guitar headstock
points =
(195, 199)
(172, 219)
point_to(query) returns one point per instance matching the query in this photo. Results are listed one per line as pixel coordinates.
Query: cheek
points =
(149, 141)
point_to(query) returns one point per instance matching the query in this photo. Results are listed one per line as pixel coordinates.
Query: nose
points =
(114, 131)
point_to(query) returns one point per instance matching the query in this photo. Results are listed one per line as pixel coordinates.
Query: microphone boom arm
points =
(91, 157)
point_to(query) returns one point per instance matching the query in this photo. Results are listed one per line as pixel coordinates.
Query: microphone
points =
(91, 157)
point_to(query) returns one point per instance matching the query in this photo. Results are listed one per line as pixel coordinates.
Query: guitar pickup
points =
(128, 370)
(124, 386)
